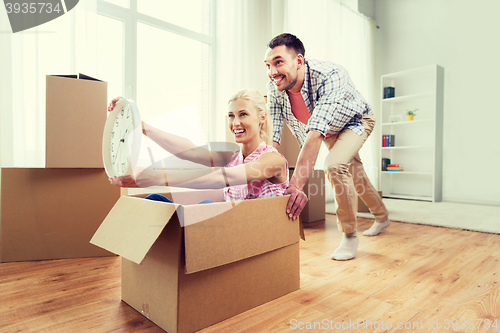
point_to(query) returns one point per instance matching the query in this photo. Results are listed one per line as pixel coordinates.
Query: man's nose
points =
(272, 71)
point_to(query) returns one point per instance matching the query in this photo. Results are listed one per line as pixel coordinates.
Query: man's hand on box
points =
(297, 201)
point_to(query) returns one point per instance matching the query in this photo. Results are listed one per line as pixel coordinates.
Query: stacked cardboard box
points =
(52, 212)
(361, 206)
(315, 186)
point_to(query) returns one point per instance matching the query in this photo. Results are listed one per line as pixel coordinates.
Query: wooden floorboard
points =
(410, 275)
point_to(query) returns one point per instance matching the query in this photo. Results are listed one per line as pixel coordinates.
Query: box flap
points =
(132, 226)
(86, 77)
(249, 228)
(77, 76)
(69, 76)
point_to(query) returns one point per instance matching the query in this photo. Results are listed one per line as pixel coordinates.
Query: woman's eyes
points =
(241, 114)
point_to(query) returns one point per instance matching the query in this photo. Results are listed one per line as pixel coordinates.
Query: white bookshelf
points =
(418, 143)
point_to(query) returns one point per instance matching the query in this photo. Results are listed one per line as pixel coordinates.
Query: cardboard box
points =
(315, 191)
(289, 147)
(52, 213)
(187, 266)
(76, 108)
(361, 206)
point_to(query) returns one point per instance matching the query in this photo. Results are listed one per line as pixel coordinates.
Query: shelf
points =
(407, 173)
(409, 197)
(407, 147)
(401, 123)
(418, 142)
(407, 73)
(406, 98)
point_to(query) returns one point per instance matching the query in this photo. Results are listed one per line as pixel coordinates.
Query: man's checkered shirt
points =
(331, 98)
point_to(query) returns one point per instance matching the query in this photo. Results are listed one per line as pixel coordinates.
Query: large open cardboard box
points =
(76, 111)
(52, 213)
(187, 266)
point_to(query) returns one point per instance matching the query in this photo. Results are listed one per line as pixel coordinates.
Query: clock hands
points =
(118, 156)
(118, 150)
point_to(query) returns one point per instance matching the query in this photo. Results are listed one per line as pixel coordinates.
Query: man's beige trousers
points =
(345, 171)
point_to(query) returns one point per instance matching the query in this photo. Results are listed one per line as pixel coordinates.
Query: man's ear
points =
(300, 61)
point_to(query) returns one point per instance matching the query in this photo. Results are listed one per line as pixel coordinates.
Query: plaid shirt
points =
(331, 98)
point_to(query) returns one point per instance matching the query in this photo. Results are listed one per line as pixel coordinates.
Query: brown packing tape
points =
(145, 310)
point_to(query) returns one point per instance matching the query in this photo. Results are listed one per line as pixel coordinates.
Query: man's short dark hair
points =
(290, 41)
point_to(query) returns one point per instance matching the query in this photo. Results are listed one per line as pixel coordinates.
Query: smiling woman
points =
(255, 170)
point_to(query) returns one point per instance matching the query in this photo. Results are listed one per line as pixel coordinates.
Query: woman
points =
(256, 170)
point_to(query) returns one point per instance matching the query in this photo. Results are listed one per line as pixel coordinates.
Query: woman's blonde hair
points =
(259, 103)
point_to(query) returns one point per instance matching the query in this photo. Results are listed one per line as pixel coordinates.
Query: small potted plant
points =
(410, 114)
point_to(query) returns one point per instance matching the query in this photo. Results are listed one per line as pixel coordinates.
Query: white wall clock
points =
(122, 139)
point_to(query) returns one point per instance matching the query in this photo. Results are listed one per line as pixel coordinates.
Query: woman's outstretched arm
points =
(270, 166)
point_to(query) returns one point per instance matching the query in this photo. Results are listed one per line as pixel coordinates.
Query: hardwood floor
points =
(421, 277)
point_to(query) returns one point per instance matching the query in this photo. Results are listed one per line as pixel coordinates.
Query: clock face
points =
(121, 140)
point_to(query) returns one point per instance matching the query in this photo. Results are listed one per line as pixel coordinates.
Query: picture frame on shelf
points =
(396, 119)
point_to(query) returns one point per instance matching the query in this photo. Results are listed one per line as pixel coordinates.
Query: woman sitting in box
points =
(256, 170)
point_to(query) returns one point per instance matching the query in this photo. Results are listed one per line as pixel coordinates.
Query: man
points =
(319, 103)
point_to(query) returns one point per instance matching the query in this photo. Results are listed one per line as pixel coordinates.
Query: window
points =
(189, 14)
(159, 53)
(110, 60)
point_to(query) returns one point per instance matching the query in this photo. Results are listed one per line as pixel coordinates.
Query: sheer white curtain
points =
(336, 33)
(66, 45)
(329, 31)
(241, 33)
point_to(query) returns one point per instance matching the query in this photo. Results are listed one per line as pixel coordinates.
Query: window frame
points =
(130, 18)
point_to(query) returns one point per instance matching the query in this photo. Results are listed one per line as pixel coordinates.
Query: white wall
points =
(462, 36)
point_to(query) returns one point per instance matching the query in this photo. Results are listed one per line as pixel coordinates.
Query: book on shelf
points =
(392, 139)
(389, 92)
(394, 168)
(388, 140)
(385, 162)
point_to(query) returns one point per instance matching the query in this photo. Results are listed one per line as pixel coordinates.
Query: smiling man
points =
(319, 103)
